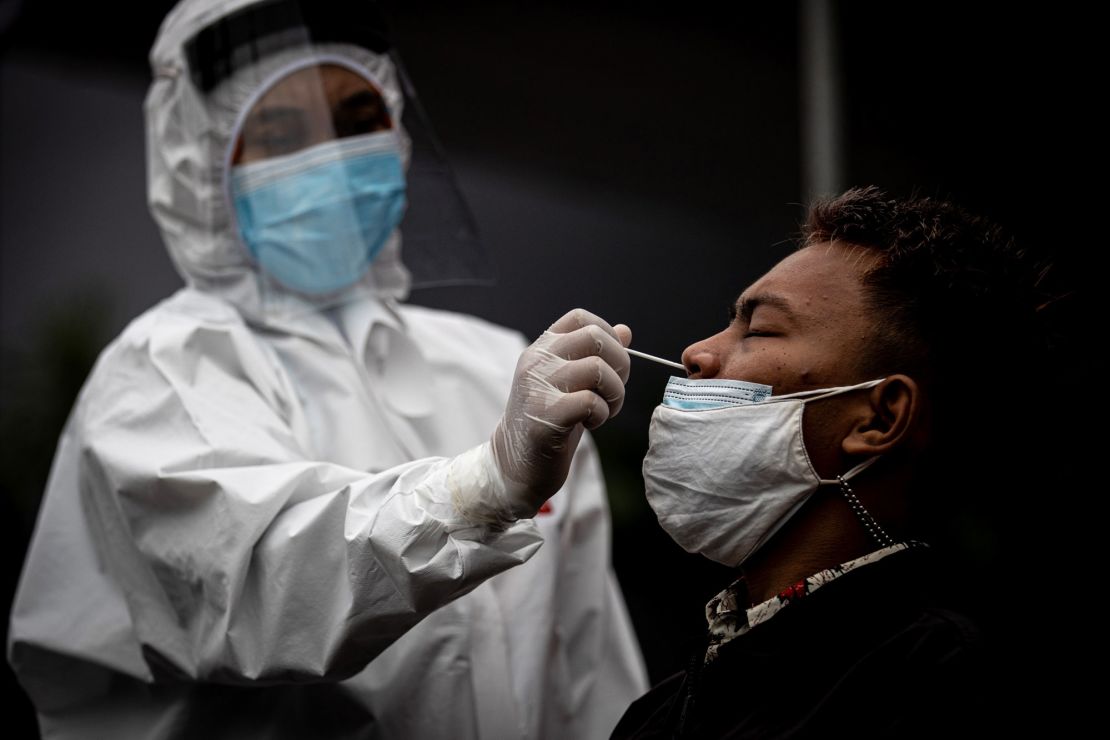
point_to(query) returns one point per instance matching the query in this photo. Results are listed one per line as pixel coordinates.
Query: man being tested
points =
(288, 505)
(815, 437)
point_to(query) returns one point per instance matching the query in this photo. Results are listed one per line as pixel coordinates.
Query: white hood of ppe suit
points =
(189, 139)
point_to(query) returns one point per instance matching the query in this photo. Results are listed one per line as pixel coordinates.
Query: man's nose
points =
(701, 360)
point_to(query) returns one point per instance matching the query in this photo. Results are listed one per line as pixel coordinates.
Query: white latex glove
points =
(570, 379)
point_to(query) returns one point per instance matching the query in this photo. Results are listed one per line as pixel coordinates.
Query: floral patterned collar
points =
(728, 619)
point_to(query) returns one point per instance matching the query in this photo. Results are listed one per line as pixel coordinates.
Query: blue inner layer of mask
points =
(702, 395)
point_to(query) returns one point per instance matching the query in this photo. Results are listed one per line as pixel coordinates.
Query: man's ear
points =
(889, 420)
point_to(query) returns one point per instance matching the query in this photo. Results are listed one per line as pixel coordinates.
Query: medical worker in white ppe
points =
(287, 504)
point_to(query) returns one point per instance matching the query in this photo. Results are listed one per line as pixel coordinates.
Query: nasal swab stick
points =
(653, 358)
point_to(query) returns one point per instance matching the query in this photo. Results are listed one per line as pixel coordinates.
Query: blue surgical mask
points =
(315, 220)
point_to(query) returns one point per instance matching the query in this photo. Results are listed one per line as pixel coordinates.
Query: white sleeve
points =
(241, 559)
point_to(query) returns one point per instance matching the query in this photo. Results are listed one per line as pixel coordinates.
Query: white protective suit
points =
(247, 530)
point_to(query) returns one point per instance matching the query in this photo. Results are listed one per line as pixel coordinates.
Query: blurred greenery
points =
(39, 381)
(39, 384)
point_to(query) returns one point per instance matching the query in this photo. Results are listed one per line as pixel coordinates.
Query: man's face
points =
(803, 325)
(308, 107)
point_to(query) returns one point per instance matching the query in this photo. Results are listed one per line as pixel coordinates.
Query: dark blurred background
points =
(643, 161)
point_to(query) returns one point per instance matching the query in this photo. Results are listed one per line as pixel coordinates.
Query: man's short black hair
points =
(954, 295)
(960, 307)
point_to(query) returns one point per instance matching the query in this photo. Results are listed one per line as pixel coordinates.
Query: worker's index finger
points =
(590, 340)
(578, 318)
(624, 334)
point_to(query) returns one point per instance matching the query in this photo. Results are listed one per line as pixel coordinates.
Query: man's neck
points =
(823, 534)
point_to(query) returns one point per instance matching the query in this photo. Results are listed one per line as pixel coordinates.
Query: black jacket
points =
(867, 655)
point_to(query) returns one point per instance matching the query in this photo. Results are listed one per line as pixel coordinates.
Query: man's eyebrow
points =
(745, 306)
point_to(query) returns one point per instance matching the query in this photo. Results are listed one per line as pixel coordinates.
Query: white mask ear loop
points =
(876, 532)
(825, 393)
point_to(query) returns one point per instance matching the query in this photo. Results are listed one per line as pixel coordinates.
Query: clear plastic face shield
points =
(318, 173)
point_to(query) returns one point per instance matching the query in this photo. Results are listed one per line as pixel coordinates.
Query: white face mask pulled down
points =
(726, 465)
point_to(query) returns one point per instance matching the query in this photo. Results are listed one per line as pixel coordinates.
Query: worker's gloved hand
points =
(571, 378)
